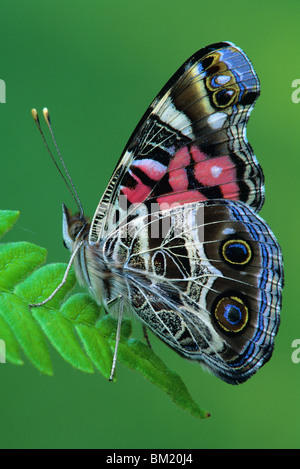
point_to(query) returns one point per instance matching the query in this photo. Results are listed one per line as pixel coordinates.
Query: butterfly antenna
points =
(118, 335)
(72, 187)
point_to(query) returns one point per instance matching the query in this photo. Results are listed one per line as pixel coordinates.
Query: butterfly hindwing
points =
(207, 279)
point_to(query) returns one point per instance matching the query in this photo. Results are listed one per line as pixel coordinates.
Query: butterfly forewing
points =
(191, 143)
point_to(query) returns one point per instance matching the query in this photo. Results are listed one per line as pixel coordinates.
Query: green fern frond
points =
(75, 326)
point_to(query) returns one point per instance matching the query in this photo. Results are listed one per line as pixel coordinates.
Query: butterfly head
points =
(75, 227)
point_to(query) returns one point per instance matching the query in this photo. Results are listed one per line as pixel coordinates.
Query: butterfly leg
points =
(111, 302)
(42, 303)
(146, 336)
(117, 341)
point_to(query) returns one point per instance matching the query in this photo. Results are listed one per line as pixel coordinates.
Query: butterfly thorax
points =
(96, 266)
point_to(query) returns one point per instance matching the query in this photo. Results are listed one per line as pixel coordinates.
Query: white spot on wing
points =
(175, 118)
(216, 171)
(228, 231)
(222, 79)
(216, 120)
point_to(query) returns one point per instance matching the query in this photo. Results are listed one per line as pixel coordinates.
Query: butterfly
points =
(176, 238)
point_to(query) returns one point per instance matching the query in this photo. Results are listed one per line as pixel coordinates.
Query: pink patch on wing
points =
(178, 178)
(217, 171)
(198, 155)
(137, 194)
(173, 200)
(153, 169)
(231, 191)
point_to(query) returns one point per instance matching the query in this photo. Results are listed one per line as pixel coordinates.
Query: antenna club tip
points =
(46, 115)
(34, 114)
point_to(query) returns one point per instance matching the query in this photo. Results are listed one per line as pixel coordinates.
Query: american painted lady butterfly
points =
(175, 237)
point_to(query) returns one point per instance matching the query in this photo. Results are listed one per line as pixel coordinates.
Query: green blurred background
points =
(97, 65)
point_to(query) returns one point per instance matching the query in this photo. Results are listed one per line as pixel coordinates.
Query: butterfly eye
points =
(231, 314)
(236, 251)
